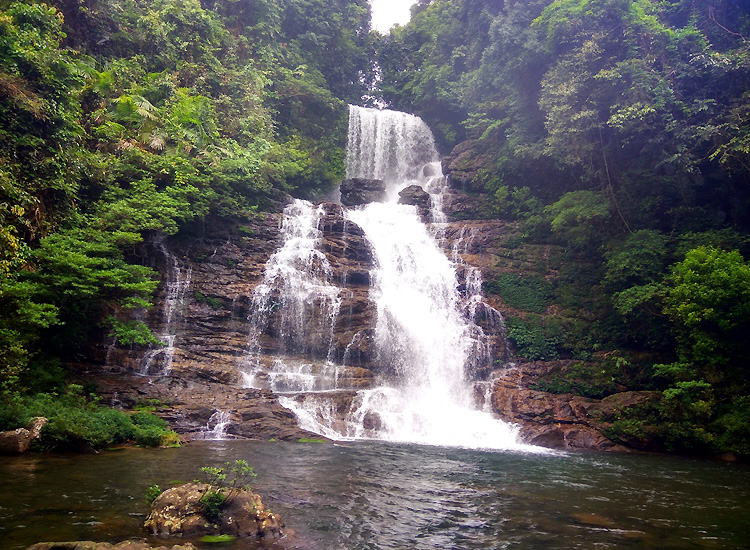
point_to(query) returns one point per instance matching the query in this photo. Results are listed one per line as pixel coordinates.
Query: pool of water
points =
(369, 495)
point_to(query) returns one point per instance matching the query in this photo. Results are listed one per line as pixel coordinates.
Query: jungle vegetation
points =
(615, 131)
(121, 120)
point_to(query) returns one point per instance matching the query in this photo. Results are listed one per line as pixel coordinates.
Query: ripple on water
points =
(387, 496)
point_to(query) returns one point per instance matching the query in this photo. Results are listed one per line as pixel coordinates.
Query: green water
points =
(369, 495)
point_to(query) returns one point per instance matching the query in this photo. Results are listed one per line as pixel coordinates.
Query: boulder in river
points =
(16, 442)
(179, 512)
(416, 196)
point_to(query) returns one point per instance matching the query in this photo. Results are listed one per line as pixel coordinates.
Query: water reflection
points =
(386, 496)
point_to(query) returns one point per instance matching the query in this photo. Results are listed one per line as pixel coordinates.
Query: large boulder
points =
(357, 191)
(416, 196)
(18, 441)
(90, 545)
(179, 512)
(464, 166)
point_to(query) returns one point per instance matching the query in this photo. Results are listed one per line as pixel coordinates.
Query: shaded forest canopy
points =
(617, 131)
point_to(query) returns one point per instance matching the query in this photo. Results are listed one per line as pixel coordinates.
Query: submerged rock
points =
(90, 545)
(179, 512)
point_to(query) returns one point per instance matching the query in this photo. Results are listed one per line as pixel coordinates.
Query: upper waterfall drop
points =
(395, 147)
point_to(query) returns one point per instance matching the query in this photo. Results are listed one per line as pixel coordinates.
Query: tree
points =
(709, 303)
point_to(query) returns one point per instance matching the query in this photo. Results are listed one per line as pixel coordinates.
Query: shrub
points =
(151, 430)
(97, 427)
(152, 493)
(535, 339)
(226, 482)
(594, 380)
(132, 334)
(75, 421)
(213, 303)
(212, 503)
(532, 294)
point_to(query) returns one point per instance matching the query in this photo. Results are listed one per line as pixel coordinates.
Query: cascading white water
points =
(216, 427)
(297, 305)
(158, 361)
(425, 334)
(376, 148)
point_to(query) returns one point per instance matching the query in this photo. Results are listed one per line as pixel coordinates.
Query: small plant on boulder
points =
(226, 482)
(223, 504)
(212, 504)
(152, 493)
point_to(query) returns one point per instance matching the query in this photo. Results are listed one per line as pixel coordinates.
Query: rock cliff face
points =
(208, 326)
(204, 308)
(203, 312)
(545, 419)
(559, 420)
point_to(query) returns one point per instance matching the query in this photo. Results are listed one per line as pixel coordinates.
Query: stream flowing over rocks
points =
(288, 312)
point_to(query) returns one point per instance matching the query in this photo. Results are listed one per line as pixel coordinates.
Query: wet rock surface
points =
(226, 261)
(416, 196)
(358, 191)
(223, 264)
(559, 420)
(188, 401)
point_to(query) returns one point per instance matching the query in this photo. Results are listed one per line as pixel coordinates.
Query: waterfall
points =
(376, 148)
(216, 427)
(296, 306)
(158, 361)
(428, 346)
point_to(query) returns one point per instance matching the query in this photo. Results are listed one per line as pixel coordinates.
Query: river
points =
(376, 495)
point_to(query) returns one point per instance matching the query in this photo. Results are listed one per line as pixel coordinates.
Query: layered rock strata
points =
(358, 191)
(226, 262)
(559, 420)
(210, 327)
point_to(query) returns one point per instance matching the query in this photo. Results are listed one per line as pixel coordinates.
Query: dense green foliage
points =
(121, 121)
(77, 422)
(525, 293)
(616, 130)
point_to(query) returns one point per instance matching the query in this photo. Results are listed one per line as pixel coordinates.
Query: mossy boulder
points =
(181, 512)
